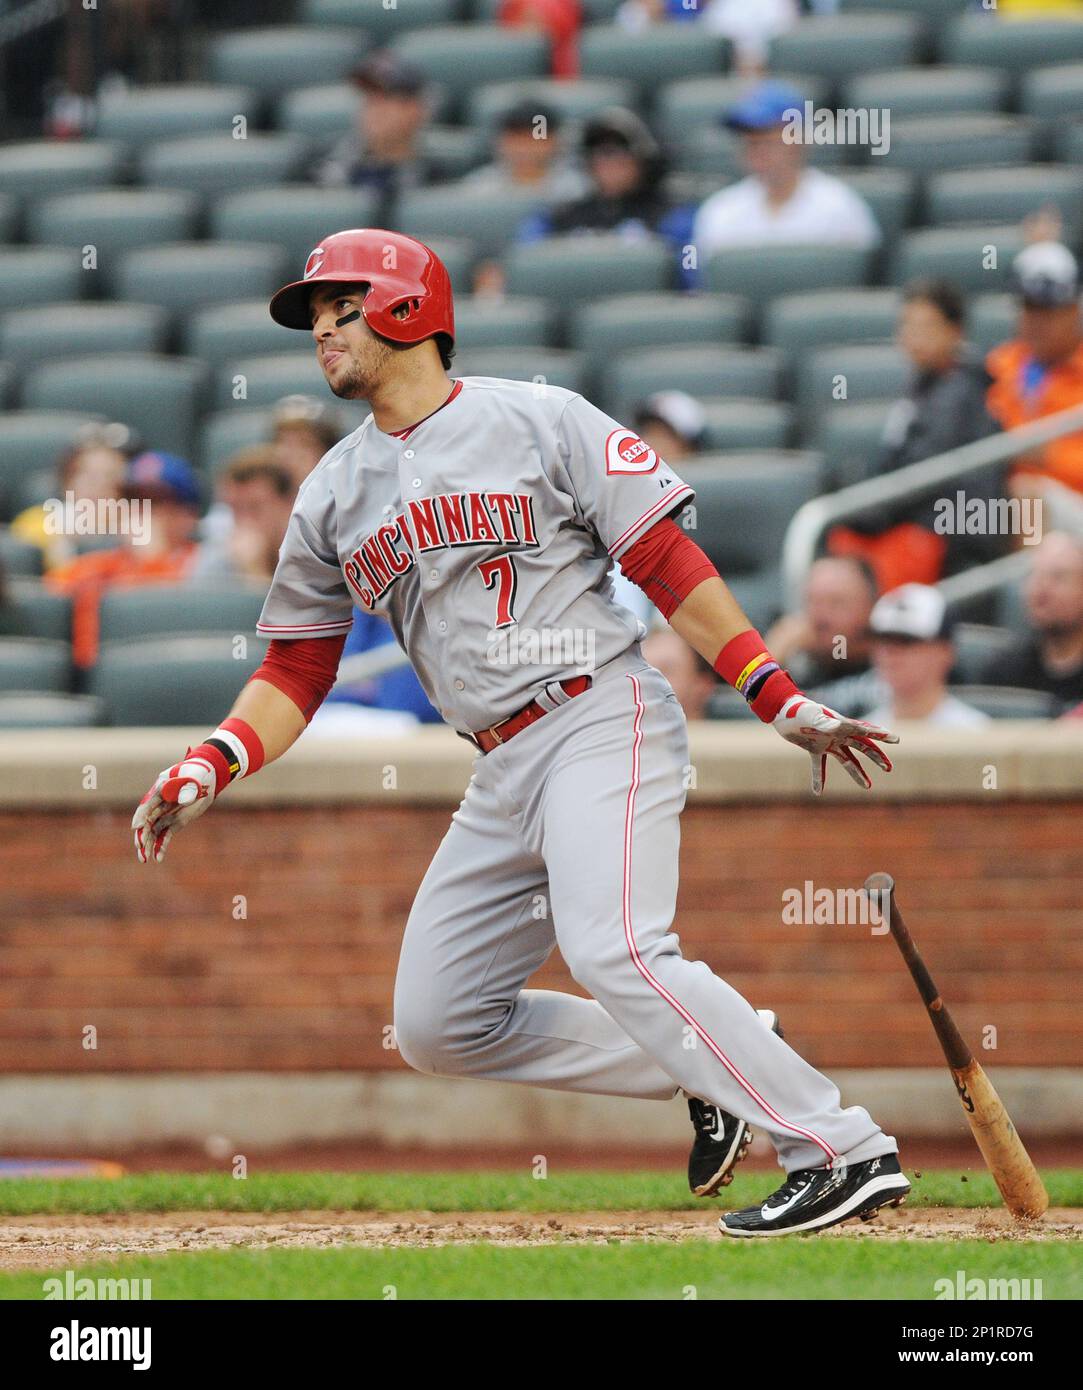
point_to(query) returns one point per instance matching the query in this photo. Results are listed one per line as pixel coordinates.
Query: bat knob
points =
(880, 883)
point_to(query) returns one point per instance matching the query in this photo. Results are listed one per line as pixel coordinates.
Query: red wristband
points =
(253, 745)
(753, 672)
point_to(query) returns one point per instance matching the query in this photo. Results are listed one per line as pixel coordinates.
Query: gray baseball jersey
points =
(484, 535)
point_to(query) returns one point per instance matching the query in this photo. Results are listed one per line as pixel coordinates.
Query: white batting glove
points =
(823, 733)
(179, 794)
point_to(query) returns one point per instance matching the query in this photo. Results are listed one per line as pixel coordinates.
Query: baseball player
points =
(480, 518)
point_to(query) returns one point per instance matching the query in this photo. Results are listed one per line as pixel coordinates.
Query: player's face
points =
(353, 358)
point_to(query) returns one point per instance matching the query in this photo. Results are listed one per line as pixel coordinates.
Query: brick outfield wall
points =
(155, 960)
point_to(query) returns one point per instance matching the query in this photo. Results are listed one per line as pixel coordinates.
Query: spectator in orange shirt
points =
(1041, 372)
(156, 546)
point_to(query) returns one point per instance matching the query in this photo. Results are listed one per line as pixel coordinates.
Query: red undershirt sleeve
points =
(667, 565)
(303, 669)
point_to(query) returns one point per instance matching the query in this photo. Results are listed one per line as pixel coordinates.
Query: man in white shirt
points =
(912, 653)
(782, 201)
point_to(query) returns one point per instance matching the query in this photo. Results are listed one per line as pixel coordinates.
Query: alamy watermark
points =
(572, 647)
(98, 516)
(989, 516)
(849, 125)
(809, 906)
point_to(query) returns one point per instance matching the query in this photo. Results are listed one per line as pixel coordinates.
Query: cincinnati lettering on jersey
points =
(448, 521)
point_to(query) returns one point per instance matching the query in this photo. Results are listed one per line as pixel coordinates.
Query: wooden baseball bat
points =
(1013, 1172)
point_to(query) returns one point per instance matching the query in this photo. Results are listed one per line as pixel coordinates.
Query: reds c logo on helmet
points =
(312, 265)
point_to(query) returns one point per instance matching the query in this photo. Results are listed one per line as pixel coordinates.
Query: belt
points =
(555, 695)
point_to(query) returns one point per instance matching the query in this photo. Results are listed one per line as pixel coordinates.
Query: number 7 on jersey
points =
(499, 574)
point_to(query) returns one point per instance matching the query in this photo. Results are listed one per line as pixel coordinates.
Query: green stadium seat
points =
(268, 378)
(1068, 143)
(490, 220)
(176, 680)
(547, 366)
(570, 99)
(934, 12)
(1053, 93)
(1007, 195)
(710, 150)
(293, 218)
(39, 275)
(926, 144)
(115, 220)
(191, 273)
(1008, 702)
(320, 114)
(30, 336)
(134, 115)
(31, 441)
(692, 103)
(33, 168)
(571, 269)
(1015, 45)
(864, 371)
(453, 151)
(40, 709)
(744, 424)
(31, 610)
(992, 319)
(797, 324)
(34, 663)
(9, 217)
(482, 322)
(669, 318)
(838, 46)
(213, 165)
(158, 609)
(18, 557)
(978, 259)
(892, 194)
(851, 440)
(220, 333)
(929, 91)
(458, 256)
(159, 397)
(383, 22)
(460, 57)
(226, 431)
(649, 57)
(7, 379)
(745, 372)
(277, 59)
(761, 273)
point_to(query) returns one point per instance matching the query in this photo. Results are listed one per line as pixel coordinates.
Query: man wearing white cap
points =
(912, 653)
(672, 423)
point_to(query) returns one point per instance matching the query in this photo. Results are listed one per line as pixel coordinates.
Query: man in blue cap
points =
(782, 201)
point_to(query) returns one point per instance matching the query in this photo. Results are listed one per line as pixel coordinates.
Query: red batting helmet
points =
(399, 271)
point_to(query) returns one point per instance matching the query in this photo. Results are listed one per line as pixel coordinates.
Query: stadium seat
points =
(189, 608)
(991, 319)
(925, 144)
(213, 165)
(490, 220)
(761, 273)
(482, 322)
(570, 99)
(611, 326)
(177, 680)
(864, 372)
(319, 114)
(929, 91)
(30, 336)
(934, 12)
(39, 709)
(188, 274)
(838, 46)
(1054, 94)
(978, 259)
(39, 275)
(18, 557)
(692, 103)
(276, 59)
(220, 333)
(266, 379)
(31, 441)
(976, 644)
(547, 366)
(31, 610)
(1007, 702)
(226, 431)
(571, 269)
(1015, 44)
(851, 440)
(135, 115)
(7, 378)
(157, 396)
(799, 323)
(660, 54)
(293, 218)
(460, 57)
(710, 150)
(453, 150)
(1068, 143)
(115, 220)
(32, 168)
(34, 663)
(9, 217)
(381, 21)
(743, 424)
(744, 372)
(1007, 195)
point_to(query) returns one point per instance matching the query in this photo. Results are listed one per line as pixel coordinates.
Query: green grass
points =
(716, 1269)
(470, 1191)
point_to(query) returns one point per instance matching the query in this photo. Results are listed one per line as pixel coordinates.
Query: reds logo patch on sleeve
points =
(625, 452)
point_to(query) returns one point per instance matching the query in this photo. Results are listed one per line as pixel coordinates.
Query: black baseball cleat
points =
(814, 1198)
(721, 1140)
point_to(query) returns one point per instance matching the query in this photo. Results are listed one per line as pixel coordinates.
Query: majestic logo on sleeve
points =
(625, 452)
(449, 521)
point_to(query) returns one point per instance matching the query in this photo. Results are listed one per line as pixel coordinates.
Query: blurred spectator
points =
(672, 423)
(303, 429)
(383, 153)
(560, 19)
(829, 638)
(1050, 658)
(913, 653)
(157, 545)
(1041, 371)
(945, 408)
(91, 470)
(750, 26)
(259, 494)
(369, 705)
(529, 157)
(781, 202)
(693, 679)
